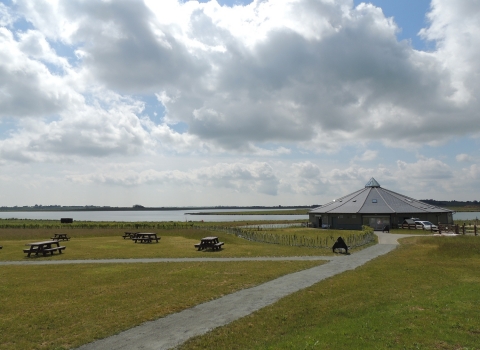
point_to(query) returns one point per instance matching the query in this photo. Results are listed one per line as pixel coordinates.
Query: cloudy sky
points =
(237, 102)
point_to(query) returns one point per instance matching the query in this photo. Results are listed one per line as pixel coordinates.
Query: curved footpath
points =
(174, 329)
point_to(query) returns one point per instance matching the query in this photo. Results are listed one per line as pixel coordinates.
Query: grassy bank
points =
(259, 212)
(423, 295)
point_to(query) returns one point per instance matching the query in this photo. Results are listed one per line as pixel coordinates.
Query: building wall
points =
(435, 218)
(355, 221)
(337, 221)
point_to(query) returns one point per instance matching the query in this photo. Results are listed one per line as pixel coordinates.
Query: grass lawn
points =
(64, 306)
(174, 243)
(423, 295)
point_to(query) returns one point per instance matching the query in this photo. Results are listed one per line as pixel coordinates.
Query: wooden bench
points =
(51, 250)
(130, 235)
(145, 239)
(60, 238)
(30, 250)
(45, 251)
(217, 246)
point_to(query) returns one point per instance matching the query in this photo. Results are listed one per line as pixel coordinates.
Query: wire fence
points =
(366, 236)
(255, 233)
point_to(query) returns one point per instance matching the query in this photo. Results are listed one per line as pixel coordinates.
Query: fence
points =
(355, 240)
(247, 232)
(471, 230)
(464, 229)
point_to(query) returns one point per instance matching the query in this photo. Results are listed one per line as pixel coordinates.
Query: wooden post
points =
(463, 229)
(475, 229)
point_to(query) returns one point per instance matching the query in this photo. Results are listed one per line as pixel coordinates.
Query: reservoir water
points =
(170, 215)
(154, 215)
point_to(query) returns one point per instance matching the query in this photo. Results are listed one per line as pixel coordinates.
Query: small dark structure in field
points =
(340, 244)
(376, 207)
(66, 220)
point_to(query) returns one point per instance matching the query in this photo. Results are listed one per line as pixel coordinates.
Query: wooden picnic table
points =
(130, 235)
(209, 243)
(60, 237)
(145, 237)
(44, 248)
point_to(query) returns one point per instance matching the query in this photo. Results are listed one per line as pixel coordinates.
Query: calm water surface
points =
(170, 215)
(154, 215)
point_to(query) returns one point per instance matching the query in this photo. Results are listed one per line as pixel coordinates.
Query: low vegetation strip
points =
(49, 224)
(259, 212)
(317, 238)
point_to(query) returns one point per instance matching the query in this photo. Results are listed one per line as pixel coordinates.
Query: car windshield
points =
(428, 223)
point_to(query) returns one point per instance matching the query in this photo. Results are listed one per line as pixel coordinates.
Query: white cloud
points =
(27, 87)
(464, 158)
(315, 73)
(292, 80)
(256, 177)
(368, 155)
(425, 169)
(6, 18)
(90, 131)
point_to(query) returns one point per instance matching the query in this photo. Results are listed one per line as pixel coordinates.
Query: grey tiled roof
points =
(374, 199)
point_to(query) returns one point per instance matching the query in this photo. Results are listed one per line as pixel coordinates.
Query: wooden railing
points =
(447, 228)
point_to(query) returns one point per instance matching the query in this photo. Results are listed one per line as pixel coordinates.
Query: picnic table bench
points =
(129, 235)
(60, 237)
(209, 242)
(44, 248)
(145, 237)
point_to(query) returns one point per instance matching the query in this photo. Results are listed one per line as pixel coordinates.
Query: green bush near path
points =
(423, 295)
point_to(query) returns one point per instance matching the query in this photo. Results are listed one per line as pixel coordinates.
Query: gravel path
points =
(163, 260)
(173, 330)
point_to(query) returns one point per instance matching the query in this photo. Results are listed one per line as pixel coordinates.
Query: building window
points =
(374, 201)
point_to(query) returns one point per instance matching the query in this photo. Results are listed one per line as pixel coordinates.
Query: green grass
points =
(311, 232)
(423, 295)
(64, 306)
(174, 243)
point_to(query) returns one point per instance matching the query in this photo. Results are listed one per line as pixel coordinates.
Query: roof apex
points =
(372, 183)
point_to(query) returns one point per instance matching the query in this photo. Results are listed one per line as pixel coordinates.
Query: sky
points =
(231, 102)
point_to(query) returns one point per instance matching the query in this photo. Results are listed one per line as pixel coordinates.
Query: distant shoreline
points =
(73, 209)
(252, 210)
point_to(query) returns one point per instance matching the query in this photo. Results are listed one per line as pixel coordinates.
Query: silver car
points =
(426, 225)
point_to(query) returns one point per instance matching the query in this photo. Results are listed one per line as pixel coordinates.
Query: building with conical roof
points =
(376, 207)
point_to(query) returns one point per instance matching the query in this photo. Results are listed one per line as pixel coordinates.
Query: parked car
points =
(426, 225)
